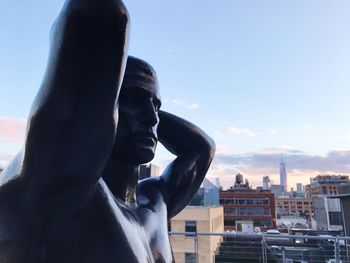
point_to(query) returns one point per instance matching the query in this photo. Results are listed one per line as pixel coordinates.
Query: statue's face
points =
(137, 137)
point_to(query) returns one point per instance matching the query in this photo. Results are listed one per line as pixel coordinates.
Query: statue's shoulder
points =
(151, 192)
(151, 186)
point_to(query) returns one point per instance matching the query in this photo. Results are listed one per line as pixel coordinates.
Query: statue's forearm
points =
(180, 136)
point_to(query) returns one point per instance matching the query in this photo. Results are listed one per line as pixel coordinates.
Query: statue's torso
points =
(104, 231)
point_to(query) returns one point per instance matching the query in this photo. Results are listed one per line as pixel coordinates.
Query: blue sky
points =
(263, 78)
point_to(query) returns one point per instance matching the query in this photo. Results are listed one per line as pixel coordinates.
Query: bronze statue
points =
(72, 194)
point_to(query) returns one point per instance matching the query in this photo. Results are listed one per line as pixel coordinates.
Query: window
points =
(335, 218)
(241, 201)
(169, 226)
(190, 258)
(230, 211)
(324, 190)
(190, 226)
(253, 211)
(263, 223)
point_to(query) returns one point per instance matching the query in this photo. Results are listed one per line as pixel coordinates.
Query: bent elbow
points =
(210, 148)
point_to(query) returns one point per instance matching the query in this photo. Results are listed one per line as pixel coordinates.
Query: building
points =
(217, 183)
(298, 193)
(328, 213)
(242, 203)
(299, 187)
(327, 185)
(197, 219)
(345, 208)
(276, 189)
(307, 189)
(283, 177)
(239, 185)
(203, 215)
(207, 195)
(148, 170)
(294, 206)
(266, 183)
(258, 207)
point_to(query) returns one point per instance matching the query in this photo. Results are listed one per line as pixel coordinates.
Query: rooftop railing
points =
(191, 247)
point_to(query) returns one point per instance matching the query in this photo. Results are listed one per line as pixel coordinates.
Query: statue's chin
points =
(144, 155)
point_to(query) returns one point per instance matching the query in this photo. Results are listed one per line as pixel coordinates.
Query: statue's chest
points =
(118, 233)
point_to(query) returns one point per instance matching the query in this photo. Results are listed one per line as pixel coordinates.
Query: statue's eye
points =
(132, 98)
(156, 104)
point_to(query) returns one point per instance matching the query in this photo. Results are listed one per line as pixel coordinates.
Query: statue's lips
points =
(145, 141)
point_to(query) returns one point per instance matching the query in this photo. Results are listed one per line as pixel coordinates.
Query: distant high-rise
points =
(148, 170)
(299, 187)
(217, 182)
(266, 183)
(283, 176)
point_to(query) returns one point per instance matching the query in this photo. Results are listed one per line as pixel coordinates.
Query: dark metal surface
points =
(72, 194)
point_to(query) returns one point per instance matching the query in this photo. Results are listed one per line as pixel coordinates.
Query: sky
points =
(264, 79)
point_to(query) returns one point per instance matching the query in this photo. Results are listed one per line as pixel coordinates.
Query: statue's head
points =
(139, 102)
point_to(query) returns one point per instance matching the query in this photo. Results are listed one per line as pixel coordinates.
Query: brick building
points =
(326, 185)
(255, 206)
(295, 206)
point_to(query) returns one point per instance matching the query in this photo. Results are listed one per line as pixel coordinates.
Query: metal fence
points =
(262, 247)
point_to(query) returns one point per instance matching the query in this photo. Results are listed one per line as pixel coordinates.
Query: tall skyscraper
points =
(266, 183)
(283, 176)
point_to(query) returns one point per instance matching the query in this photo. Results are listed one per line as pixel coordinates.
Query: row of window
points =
(242, 211)
(245, 201)
(293, 202)
(260, 223)
(293, 207)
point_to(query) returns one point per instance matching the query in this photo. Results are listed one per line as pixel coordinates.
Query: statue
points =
(72, 194)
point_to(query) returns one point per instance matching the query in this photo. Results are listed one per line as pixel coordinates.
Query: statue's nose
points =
(150, 115)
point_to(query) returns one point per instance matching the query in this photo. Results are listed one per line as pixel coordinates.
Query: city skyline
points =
(263, 78)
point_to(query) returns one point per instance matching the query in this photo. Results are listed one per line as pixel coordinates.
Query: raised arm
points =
(72, 122)
(194, 152)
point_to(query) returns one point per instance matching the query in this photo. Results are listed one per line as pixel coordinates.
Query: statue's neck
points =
(121, 178)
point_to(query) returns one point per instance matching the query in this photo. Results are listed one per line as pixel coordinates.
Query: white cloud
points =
(182, 103)
(239, 131)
